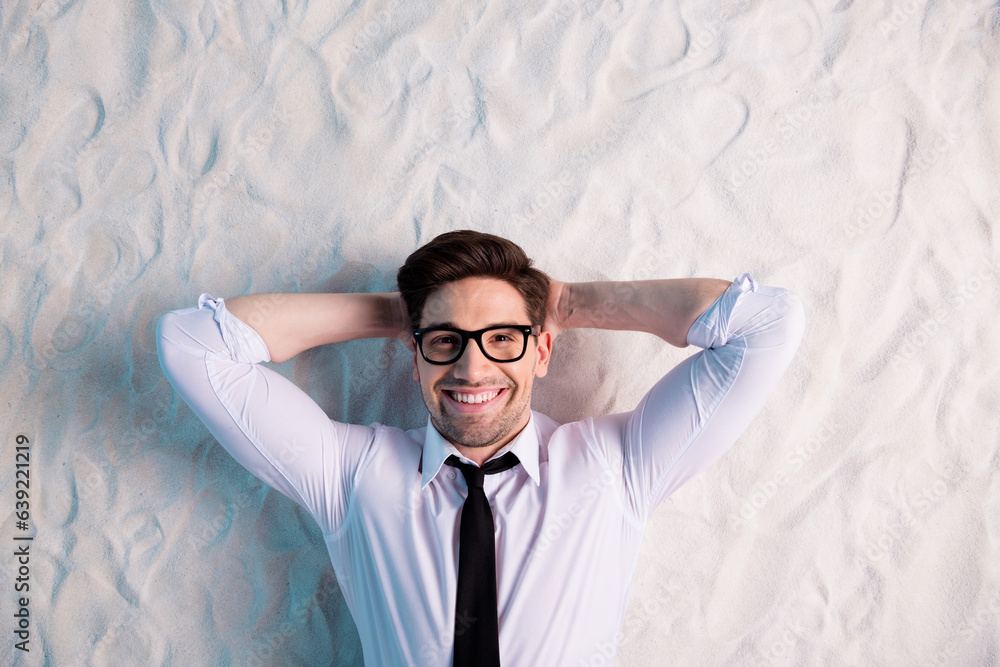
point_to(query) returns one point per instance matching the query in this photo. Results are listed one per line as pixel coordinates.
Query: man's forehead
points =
(476, 299)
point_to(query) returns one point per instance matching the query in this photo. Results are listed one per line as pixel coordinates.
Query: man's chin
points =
(469, 437)
(468, 433)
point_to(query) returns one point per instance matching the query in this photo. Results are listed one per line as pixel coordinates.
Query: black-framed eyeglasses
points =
(444, 345)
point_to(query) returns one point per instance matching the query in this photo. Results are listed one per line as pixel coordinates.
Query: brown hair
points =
(466, 254)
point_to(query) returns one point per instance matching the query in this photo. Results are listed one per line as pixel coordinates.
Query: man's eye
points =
(441, 341)
(503, 338)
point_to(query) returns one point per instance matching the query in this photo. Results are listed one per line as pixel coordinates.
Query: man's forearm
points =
(666, 308)
(292, 323)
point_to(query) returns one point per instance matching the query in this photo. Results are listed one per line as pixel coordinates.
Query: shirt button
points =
(451, 475)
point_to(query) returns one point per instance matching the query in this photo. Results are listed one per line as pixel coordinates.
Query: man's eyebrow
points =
(505, 323)
(451, 325)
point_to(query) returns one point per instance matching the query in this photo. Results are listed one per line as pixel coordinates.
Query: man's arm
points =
(695, 413)
(665, 308)
(292, 323)
(276, 431)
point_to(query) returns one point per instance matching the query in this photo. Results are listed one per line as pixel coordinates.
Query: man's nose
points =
(473, 364)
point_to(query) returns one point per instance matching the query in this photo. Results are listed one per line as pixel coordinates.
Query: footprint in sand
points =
(191, 145)
(53, 189)
(715, 118)
(701, 130)
(879, 145)
(61, 328)
(87, 263)
(133, 172)
(139, 540)
(645, 49)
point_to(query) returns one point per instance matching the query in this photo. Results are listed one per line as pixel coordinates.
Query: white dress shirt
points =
(569, 518)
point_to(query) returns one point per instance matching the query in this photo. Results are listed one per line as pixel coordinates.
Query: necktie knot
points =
(475, 476)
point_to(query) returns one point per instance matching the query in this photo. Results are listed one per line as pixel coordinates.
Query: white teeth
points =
(474, 398)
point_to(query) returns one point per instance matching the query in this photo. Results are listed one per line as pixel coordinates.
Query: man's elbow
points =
(792, 320)
(169, 335)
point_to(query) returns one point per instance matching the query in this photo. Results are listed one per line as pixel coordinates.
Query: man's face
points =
(472, 304)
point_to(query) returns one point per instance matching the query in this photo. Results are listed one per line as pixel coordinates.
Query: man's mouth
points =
(473, 401)
(477, 397)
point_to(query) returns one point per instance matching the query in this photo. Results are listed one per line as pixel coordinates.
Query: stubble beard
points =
(477, 430)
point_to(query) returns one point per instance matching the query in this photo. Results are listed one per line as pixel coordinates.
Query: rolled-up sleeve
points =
(695, 413)
(269, 425)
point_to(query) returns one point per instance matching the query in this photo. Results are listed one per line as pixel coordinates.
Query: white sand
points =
(846, 150)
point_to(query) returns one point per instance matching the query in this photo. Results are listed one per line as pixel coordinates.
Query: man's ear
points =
(416, 375)
(544, 354)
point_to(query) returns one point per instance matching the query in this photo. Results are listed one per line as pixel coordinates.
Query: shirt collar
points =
(437, 449)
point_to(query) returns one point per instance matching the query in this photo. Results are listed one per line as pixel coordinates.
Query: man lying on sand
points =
(492, 534)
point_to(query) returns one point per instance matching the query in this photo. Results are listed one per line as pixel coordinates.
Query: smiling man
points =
(492, 535)
(478, 401)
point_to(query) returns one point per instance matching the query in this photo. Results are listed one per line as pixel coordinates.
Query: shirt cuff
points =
(243, 343)
(711, 329)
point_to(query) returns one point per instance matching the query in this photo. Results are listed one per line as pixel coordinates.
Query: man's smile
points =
(474, 400)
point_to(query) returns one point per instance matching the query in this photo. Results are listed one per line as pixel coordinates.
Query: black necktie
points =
(477, 630)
